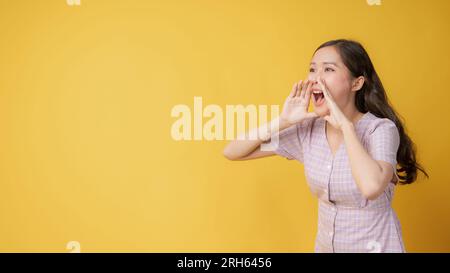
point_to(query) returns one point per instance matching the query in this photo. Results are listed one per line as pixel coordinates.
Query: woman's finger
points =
(311, 115)
(308, 91)
(334, 108)
(299, 88)
(328, 99)
(325, 91)
(305, 86)
(294, 89)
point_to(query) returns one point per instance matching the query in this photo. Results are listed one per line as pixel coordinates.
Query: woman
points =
(350, 147)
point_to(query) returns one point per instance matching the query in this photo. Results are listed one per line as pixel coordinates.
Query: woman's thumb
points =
(311, 115)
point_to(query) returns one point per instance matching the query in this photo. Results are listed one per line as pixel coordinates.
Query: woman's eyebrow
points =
(327, 63)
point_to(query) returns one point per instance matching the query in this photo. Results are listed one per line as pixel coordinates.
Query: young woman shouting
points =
(350, 147)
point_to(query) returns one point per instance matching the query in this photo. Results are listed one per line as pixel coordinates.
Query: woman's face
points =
(327, 64)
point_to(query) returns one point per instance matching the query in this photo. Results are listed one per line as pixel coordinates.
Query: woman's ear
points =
(358, 83)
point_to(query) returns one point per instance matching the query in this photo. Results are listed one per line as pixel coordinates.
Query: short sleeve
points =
(384, 141)
(290, 141)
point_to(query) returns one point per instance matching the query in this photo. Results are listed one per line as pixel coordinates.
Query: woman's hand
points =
(336, 118)
(295, 107)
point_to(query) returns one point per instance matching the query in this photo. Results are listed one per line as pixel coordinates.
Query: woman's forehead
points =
(326, 55)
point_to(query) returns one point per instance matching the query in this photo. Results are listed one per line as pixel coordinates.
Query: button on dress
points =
(348, 222)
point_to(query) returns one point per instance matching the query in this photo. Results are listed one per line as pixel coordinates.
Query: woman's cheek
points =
(335, 86)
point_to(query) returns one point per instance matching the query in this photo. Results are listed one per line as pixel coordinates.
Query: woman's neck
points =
(353, 114)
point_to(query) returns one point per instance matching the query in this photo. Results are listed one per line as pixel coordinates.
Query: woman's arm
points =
(250, 148)
(371, 176)
(295, 110)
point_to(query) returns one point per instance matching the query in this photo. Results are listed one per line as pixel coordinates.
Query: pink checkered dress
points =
(347, 221)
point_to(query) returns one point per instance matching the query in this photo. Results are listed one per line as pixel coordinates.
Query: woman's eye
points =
(329, 69)
(311, 70)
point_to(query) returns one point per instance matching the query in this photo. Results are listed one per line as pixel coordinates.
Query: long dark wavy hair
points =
(372, 97)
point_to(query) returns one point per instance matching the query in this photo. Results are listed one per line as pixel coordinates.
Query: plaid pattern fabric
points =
(347, 221)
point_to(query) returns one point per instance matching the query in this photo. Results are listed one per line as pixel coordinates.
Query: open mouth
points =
(318, 97)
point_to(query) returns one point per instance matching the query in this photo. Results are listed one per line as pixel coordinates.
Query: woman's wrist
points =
(347, 127)
(283, 123)
(273, 127)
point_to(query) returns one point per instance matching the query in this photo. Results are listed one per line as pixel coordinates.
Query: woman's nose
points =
(313, 79)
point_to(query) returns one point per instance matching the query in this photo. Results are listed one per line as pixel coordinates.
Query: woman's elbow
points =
(229, 155)
(372, 193)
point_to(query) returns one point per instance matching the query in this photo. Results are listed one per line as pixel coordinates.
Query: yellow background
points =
(85, 98)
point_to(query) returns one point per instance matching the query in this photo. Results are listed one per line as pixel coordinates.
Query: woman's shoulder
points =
(372, 123)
